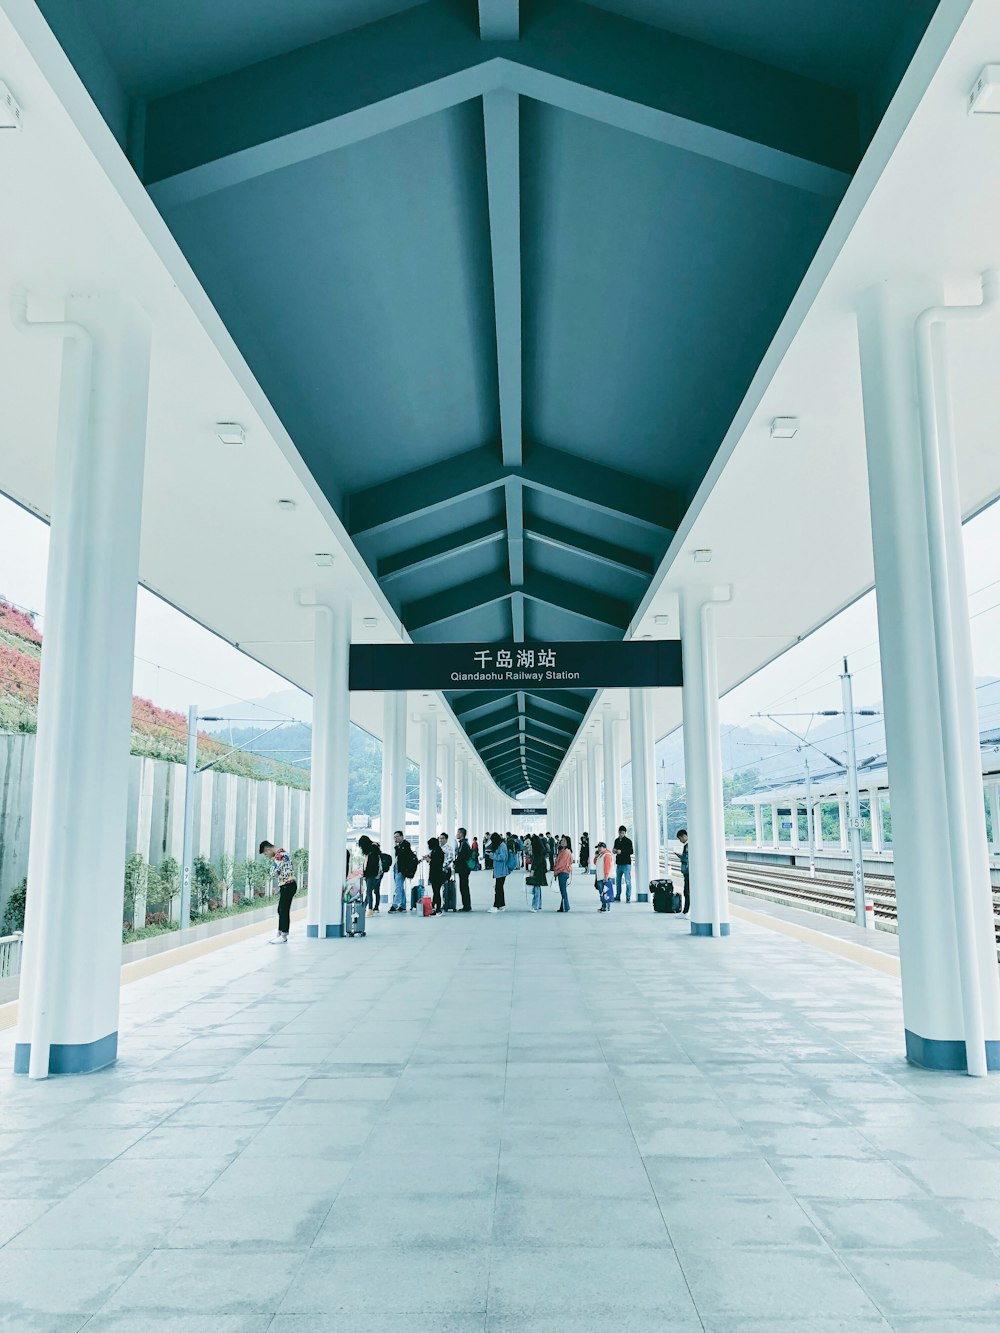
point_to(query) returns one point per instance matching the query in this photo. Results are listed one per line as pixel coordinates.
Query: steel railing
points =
(10, 955)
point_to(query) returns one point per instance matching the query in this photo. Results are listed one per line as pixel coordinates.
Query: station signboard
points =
(646, 663)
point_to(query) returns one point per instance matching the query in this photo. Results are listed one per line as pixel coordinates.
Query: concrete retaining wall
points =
(232, 814)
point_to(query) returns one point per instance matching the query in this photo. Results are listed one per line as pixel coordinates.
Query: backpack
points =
(386, 861)
(407, 860)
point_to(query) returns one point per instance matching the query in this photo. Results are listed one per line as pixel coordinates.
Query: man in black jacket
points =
(623, 864)
(463, 855)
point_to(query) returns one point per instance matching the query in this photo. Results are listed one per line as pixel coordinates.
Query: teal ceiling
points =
(505, 272)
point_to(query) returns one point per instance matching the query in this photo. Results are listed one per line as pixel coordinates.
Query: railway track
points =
(830, 891)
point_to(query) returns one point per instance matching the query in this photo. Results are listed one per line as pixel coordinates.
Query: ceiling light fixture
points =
(702, 556)
(323, 559)
(230, 432)
(661, 620)
(984, 96)
(286, 505)
(784, 428)
(370, 622)
(10, 110)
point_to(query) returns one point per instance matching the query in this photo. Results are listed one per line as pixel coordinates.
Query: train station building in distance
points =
(516, 378)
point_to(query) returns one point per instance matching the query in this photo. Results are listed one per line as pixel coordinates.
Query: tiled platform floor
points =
(531, 1122)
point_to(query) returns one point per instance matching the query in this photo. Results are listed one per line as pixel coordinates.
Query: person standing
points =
(603, 861)
(536, 877)
(623, 864)
(585, 852)
(435, 871)
(475, 852)
(563, 870)
(448, 884)
(404, 865)
(463, 865)
(372, 872)
(283, 873)
(682, 838)
(500, 860)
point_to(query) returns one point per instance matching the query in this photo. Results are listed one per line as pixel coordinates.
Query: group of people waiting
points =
(538, 854)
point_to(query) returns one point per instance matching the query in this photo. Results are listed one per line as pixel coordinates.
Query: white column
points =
(951, 993)
(593, 789)
(386, 812)
(397, 750)
(652, 814)
(612, 815)
(703, 765)
(581, 797)
(875, 810)
(68, 1006)
(448, 785)
(463, 811)
(758, 826)
(818, 825)
(643, 870)
(330, 748)
(794, 811)
(775, 826)
(428, 782)
(842, 822)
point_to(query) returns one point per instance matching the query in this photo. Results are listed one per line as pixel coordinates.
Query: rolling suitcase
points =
(448, 895)
(354, 915)
(664, 897)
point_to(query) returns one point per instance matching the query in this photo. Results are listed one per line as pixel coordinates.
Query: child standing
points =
(603, 861)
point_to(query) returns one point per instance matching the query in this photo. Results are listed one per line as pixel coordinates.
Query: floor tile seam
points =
(503, 1113)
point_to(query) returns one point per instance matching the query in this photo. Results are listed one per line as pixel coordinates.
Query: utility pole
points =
(187, 855)
(810, 828)
(854, 798)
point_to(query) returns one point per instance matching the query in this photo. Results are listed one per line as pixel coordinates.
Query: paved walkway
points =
(524, 1122)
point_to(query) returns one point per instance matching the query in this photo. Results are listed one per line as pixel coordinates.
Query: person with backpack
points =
(536, 877)
(475, 852)
(374, 868)
(404, 867)
(464, 863)
(448, 883)
(283, 872)
(435, 872)
(682, 838)
(563, 870)
(623, 864)
(603, 883)
(500, 862)
(585, 852)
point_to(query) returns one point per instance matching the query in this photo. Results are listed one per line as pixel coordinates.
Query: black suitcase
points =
(664, 897)
(448, 894)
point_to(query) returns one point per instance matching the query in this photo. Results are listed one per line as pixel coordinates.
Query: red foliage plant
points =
(19, 673)
(18, 623)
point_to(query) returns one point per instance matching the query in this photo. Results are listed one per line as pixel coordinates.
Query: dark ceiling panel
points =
(654, 280)
(357, 285)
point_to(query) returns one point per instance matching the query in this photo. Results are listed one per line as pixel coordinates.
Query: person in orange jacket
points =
(603, 863)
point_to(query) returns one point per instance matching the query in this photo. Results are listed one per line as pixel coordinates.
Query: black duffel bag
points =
(664, 897)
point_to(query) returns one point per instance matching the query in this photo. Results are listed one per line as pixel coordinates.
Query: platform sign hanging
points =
(516, 666)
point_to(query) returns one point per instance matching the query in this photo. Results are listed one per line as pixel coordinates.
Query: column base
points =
(933, 1053)
(705, 928)
(71, 1058)
(330, 932)
(642, 897)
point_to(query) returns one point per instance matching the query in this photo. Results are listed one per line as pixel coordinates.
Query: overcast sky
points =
(179, 662)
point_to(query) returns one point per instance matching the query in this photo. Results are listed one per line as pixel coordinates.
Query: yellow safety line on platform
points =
(159, 962)
(857, 953)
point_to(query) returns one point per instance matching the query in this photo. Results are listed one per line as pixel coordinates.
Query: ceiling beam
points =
(423, 491)
(555, 702)
(453, 602)
(499, 20)
(631, 564)
(596, 488)
(514, 504)
(517, 617)
(579, 601)
(430, 555)
(501, 121)
(631, 75)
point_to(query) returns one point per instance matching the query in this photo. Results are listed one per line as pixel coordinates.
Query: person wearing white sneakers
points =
(501, 869)
(283, 872)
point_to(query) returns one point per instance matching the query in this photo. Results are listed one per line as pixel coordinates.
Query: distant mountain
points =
(283, 704)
